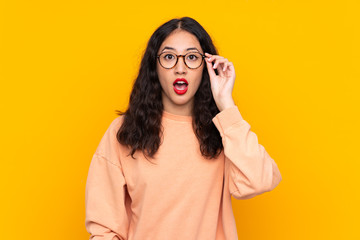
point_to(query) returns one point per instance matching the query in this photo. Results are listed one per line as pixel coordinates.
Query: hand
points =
(222, 84)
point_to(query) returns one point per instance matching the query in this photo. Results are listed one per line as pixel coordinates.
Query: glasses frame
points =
(177, 59)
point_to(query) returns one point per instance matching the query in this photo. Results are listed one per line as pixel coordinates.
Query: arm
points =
(248, 167)
(105, 195)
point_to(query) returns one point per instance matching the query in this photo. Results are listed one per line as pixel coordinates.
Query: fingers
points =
(210, 70)
(221, 63)
(216, 59)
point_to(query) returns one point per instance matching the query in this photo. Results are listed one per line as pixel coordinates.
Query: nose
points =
(180, 67)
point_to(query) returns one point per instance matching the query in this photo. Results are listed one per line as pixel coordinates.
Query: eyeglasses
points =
(192, 60)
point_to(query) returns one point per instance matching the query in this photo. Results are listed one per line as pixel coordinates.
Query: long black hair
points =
(141, 127)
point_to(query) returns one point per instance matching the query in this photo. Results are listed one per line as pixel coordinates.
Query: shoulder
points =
(108, 144)
(116, 123)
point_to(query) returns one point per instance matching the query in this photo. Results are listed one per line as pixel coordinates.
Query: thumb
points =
(210, 69)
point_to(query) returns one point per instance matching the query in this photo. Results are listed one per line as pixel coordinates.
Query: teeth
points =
(180, 82)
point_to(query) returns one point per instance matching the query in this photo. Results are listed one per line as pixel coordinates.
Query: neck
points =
(183, 110)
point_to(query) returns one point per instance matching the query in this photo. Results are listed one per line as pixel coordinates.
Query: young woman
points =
(168, 166)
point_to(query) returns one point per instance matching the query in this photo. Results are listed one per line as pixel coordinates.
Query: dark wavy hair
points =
(141, 128)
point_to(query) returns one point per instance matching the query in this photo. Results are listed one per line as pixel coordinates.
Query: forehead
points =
(181, 40)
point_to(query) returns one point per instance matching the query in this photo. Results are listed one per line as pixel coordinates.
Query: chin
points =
(181, 102)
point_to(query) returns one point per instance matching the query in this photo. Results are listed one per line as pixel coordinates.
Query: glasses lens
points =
(167, 60)
(193, 60)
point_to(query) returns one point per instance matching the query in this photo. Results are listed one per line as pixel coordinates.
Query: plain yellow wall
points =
(66, 66)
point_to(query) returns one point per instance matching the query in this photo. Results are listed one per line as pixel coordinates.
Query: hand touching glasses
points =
(223, 83)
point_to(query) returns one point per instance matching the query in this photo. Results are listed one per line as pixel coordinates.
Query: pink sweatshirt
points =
(184, 196)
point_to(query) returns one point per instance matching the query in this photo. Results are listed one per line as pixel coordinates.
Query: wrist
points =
(227, 104)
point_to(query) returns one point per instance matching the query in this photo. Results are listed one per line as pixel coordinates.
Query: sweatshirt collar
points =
(179, 118)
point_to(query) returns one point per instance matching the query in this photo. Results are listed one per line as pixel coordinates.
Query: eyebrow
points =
(170, 48)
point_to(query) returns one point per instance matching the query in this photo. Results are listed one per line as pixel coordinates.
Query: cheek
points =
(162, 77)
(161, 72)
(158, 71)
(198, 81)
(199, 77)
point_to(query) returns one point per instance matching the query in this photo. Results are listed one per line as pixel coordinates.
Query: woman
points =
(168, 166)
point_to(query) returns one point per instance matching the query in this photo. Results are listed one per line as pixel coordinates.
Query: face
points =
(174, 99)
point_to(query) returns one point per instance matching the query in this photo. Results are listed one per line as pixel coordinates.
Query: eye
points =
(192, 57)
(169, 56)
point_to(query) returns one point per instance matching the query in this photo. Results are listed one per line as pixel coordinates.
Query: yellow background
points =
(66, 66)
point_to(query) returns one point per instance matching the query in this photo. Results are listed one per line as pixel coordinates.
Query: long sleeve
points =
(249, 169)
(106, 195)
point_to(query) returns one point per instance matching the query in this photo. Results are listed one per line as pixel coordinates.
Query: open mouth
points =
(180, 85)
